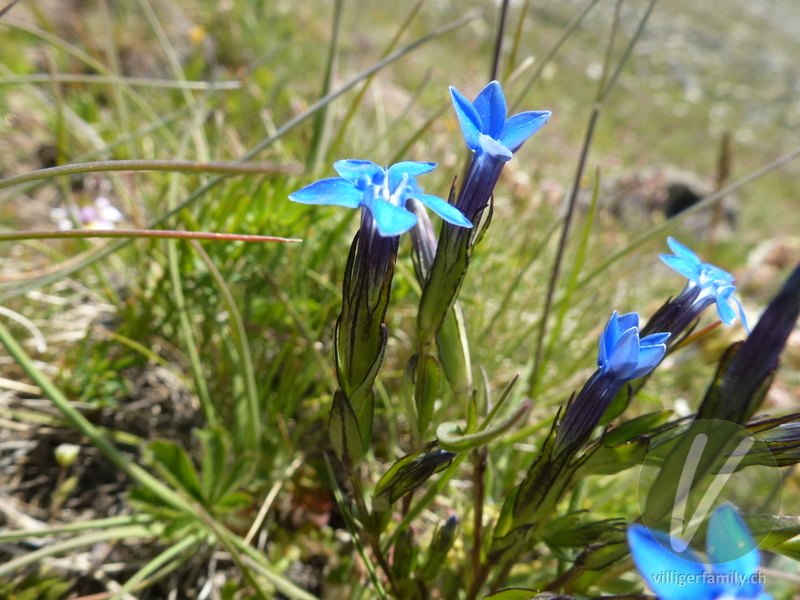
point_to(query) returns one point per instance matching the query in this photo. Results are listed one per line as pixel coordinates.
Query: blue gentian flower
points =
(485, 127)
(623, 356)
(710, 284)
(493, 138)
(383, 192)
(731, 574)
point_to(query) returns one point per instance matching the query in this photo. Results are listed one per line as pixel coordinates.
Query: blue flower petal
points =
(522, 126)
(444, 209)
(494, 148)
(656, 563)
(742, 316)
(624, 358)
(468, 118)
(608, 339)
(682, 251)
(391, 220)
(491, 106)
(729, 544)
(627, 321)
(335, 190)
(683, 266)
(352, 169)
(724, 310)
(649, 357)
(654, 339)
(410, 168)
(715, 274)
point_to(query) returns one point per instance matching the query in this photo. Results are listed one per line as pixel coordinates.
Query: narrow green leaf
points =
(636, 427)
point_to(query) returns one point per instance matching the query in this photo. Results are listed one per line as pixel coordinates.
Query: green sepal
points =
(789, 549)
(607, 461)
(344, 431)
(454, 354)
(636, 427)
(408, 473)
(506, 518)
(570, 533)
(778, 529)
(600, 557)
(404, 555)
(510, 544)
(619, 404)
(426, 391)
(443, 539)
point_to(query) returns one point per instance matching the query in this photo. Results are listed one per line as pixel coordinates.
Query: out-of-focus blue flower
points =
(716, 285)
(383, 192)
(731, 574)
(485, 127)
(623, 356)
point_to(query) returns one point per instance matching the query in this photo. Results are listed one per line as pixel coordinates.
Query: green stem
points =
(140, 233)
(188, 335)
(134, 531)
(243, 348)
(125, 520)
(119, 80)
(183, 166)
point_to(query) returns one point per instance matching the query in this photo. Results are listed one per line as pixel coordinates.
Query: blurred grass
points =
(699, 71)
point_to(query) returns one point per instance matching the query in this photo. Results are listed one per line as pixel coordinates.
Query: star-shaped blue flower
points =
(713, 281)
(485, 127)
(732, 574)
(623, 354)
(383, 192)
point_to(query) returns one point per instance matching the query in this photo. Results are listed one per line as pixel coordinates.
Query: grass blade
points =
(308, 113)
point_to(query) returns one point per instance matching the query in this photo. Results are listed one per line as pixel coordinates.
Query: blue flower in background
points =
(732, 574)
(716, 286)
(485, 127)
(383, 192)
(623, 354)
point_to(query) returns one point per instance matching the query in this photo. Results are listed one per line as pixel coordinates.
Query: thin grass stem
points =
(242, 347)
(308, 113)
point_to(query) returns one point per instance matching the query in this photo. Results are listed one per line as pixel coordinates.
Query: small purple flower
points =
(383, 192)
(715, 285)
(731, 574)
(100, 215)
